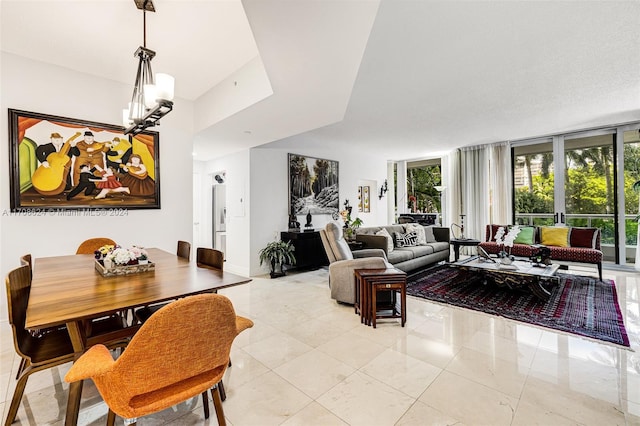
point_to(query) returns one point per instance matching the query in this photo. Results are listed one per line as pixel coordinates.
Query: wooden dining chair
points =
(184, 250)
(209, 258)
(195, 346)
(92, 244)
(47, 348)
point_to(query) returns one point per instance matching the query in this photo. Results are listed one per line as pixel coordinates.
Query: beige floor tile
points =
(363, 400)
(267, 400)
(327, 372)
(469, 401)
(314, 414)
(402, 372)
(422, 414)
(277, 349)
(352, 349)
(491, 371)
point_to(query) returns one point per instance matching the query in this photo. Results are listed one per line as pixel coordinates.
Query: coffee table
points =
(520, 275)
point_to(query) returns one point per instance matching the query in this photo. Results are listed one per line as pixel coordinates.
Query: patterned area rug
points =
(579, 305)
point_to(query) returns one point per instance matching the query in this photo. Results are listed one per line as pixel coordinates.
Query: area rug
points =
(579, 304)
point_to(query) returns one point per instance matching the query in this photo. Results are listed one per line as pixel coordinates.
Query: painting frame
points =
(106, 170)
(366, 199)
(313, 185)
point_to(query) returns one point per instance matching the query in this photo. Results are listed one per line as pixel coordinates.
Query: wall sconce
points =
(383, 190)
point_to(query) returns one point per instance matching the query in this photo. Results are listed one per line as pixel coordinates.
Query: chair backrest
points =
(193, 335)
(18, 283)
(338, 248)
(209, 258)
(26, 260)
(184, 249)
(91, 245)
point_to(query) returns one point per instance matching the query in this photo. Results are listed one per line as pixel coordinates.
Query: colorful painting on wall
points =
(359, 198)
(69, 164)
(366, 199)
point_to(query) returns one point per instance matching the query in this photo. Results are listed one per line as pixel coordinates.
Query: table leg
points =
(456, 252)
(75, 389)
(403, 302)
(374, 303)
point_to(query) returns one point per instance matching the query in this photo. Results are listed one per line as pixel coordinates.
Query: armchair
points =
(343, 262)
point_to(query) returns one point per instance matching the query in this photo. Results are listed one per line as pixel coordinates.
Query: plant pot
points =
(277, 270)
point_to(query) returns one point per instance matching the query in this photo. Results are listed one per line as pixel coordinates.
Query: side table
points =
(457, 243)
(368, 282)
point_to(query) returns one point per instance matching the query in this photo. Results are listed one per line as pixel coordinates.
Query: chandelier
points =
(152, 97)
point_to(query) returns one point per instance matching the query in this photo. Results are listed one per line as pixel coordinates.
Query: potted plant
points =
(277, 254)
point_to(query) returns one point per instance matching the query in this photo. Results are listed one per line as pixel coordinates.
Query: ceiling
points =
(406, 79)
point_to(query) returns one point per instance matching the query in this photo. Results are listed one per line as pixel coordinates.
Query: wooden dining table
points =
(69, 290)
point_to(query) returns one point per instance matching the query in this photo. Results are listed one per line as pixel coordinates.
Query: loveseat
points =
(567, 244)
(407, 257)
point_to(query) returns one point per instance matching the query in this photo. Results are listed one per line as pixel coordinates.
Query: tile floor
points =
(309, 361)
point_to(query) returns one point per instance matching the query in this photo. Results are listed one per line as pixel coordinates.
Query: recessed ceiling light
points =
(248, 132)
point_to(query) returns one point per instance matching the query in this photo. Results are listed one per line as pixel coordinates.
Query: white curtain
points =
(451, 195)
(501, 211)
(474, 179)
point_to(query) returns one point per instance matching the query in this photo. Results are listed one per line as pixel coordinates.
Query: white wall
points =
(269, 192)
(42, 88)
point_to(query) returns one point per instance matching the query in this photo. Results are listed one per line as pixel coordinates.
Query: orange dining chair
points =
(91, 245)
(192, 335)
(42, 350)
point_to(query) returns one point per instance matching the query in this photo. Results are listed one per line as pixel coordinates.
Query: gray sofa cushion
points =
(337, 242)
(418, 251)
(400, 255)
(439, 246)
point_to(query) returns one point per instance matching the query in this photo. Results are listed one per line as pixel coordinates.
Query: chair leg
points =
(600, 270)
(205, 404)
(217, 404)
(223, 393)
(17, 398)
(111, 418)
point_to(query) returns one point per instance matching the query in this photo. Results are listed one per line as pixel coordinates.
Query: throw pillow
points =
(554, 236)
(583, 237)
(526, 235)
(419, 231)
(429, 236)
(386, 234)
(406, 240)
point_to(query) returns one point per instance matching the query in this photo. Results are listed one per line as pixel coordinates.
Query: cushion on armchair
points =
(583, 237)
(554, 236)
(526, 235)
(337, 242)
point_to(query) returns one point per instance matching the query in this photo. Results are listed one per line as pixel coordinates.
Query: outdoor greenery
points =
(589, 188)
(422, 196)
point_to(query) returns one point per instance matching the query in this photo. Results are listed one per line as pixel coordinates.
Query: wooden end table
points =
(368, 282)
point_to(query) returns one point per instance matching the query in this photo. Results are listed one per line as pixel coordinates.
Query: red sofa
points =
(583, 246)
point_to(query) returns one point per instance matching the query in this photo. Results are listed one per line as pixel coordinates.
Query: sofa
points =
(567, 244)
(407, 258)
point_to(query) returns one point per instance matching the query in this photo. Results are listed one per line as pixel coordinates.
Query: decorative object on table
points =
(506, 243)
(308, 226)
(152, 97)
(294, 225)
(482, 254)
(383, 190)
(366, 201)
(350, 225)
(313, 185)
(541, 256)
(46, 173)
(580, 305)
(116, 260)
(278, 254)
(459, 234)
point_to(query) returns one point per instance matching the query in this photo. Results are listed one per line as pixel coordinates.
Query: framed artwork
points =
(366, 199)
(359, 198)
(60, 163)
(313, 185)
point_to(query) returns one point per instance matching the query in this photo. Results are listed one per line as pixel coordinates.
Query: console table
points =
(309, 251)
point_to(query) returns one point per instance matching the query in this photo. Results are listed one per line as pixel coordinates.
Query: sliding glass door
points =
(582, 179)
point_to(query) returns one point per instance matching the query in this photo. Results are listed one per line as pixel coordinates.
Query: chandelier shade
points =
(152, 98)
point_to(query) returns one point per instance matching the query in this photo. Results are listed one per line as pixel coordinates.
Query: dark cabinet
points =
(309, 251)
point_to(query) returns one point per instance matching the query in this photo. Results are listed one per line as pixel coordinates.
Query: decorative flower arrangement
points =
(122, 256)
(506, 240)
(350, 225)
